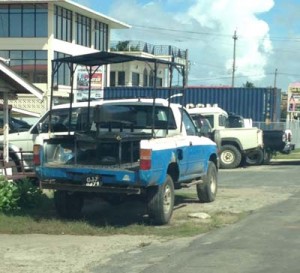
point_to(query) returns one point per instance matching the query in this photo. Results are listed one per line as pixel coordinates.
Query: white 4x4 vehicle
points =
(24, 140)
(235, 144)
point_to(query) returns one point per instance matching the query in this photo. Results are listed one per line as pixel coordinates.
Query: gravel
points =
(66, 253)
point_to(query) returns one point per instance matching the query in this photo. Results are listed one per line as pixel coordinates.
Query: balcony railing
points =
(148, 48)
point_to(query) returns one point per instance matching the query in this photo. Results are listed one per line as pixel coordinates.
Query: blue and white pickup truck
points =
(140, 147)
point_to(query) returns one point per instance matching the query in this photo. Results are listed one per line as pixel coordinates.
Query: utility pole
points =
(234, 50)
(275, 97)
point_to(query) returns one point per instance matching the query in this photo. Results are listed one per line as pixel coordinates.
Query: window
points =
(151, 78)
(101, 36)
(30, 64)
(112, 78)
(159, 82)
(222, 120)
(63, 24)
(62, 77)
(145, 78)
(135, 79)
(60, 120)
(23, 20)
(121, 78)
(189, 125)
(134, 117)
(83, 28)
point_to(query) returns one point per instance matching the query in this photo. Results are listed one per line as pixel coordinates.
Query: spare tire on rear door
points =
(255, 157)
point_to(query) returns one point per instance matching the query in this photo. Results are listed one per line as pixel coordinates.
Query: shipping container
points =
(260, 104)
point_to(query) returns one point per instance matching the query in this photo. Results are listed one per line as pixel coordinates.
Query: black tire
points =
(68, 204)
(207, 190)
(160, 202)
(230, 157)
(255, 157)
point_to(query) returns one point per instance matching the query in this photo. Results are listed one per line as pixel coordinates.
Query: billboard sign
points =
(293, 100)
(83, 83)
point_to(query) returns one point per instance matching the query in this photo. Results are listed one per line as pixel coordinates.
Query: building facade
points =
(33, 33)
(139, 74)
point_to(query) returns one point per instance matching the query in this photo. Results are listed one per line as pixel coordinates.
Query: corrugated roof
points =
(104, 58)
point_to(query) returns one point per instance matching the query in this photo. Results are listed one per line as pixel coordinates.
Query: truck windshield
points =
(134, 116)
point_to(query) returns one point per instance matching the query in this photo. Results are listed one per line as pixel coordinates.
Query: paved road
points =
(267, 241)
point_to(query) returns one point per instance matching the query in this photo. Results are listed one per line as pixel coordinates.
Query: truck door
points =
(195, 147)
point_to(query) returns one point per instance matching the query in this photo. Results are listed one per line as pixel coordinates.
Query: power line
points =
(272, 38)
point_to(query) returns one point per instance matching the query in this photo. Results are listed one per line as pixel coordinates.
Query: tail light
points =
(145, 159)
(36, 155)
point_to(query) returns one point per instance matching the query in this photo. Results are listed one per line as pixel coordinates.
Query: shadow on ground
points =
(98, 212)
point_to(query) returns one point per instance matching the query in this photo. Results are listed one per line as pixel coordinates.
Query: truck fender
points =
(232, 141)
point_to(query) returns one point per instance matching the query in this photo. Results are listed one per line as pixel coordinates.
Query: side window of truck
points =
(222, 120)
(189, 125)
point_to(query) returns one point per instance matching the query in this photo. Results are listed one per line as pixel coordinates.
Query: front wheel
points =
(207, 190)
(160, 202)
(230, 157)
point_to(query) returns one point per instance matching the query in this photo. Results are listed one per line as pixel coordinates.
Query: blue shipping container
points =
(256, 103)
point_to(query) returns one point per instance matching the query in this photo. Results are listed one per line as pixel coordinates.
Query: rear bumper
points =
(288, 148)
(54, 185)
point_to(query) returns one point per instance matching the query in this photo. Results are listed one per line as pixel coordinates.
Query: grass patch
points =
(295, 154)
(101, 219)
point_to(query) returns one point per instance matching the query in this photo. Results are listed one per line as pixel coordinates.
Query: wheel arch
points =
(214, 158)
(173, 171)
(232, 141)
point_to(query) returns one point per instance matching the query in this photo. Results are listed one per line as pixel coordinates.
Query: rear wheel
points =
(255, 157)
(230, 157)
(68, 204)
(207, 190)
(161, 202)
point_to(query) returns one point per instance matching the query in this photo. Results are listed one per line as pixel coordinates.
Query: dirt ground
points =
(65, 253)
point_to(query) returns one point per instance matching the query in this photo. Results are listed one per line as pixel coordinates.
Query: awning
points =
(105, 58)
(12, 83)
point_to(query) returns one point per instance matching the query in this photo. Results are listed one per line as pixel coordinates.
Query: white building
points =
(141, 74)
(32, 33)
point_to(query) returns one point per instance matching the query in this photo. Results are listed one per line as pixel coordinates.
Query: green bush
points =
(9, 195)
(30, 195)
(21, 194)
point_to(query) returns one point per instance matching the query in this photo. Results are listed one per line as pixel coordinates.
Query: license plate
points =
(93, 181)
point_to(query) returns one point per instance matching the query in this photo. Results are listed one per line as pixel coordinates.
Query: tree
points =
(248, 85)
(124, 46)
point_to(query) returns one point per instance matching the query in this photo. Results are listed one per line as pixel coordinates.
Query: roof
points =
(12, 83)
(104, 58)
(207, 110)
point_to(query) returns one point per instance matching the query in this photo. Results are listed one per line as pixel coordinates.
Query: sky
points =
(267, 44)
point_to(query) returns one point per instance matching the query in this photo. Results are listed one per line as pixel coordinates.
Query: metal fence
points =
(293, 125)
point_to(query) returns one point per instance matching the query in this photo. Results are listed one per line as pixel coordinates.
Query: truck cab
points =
(236, 143)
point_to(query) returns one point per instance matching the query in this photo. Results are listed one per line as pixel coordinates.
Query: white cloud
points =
(253, 45)
(205, 28)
